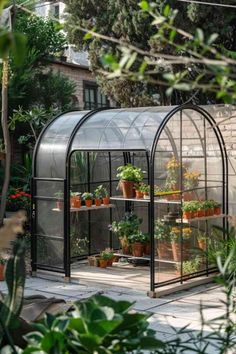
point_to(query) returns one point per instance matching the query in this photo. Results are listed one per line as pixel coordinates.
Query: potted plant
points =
(162, 235)
(189, 209)
(146, 245)
(190, 266)
(3, 262)
(129, 175)
(88, 198)
(127, 226)
(98, 195)
(201, 239)
(209, 207)
(191, 181)
(138, 190)
(59, 203)
(217, 208)
(145, 189)
(105, 196)
(176, 242)
(105, 257)
(75, 201)
(173, 173)
(137, 241)
(17, 200)
(201, 210)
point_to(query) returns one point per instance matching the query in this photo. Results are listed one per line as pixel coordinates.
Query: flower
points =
(18, 200)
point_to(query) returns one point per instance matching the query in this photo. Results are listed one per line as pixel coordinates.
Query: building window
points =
(93, 97)
(56, 11)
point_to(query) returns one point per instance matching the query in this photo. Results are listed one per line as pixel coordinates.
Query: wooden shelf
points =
(142, 200)
(84, 208)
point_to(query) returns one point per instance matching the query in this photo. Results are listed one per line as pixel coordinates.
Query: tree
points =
(122, 20)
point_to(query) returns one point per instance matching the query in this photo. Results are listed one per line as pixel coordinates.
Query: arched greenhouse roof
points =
(109, 129)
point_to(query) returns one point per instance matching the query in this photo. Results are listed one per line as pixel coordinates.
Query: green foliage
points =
(107, 254)
(161, 230)
(87, 196)
(137, 237)
(130, 173)
(95, 325)
(128, 225)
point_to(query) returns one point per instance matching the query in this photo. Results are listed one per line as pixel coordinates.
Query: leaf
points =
(166, 10)
(200, 34)
(212, 38)
(87, 36)
(182, 86)
(144, 5)
(19, 48)
(158, 20)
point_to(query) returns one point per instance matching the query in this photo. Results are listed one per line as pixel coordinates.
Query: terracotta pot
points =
(202, 244)
(98, 202)
(217, 210)
(188, 215)
(103, 263)
(106, 200)
(125, 245)
(59, 205)
(139, 194)
(164, 250)
(146, 195)
(176, 249)
(137, 249)
(2, 272)
(147, 248)
(88, 203)
(115, 259)
(75, 202)
(109, 262)
(93, 261)
(210, 211)
(128, 189)
(195, 214)
(201, 213)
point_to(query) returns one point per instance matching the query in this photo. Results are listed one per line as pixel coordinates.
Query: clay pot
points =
(210, 212)
(106, 200)
(201, 213)
(137, 249)
(139, 194)
(98, 202)
(103, 263)
(75, 202)
(217, 210)
(115, 259)
(202, 244)
(93, 261)
(2, 272)
(164, 250)
(125, 245)
(147, 248)
(59, 205)
(88, 203)
(128, 189)
(109, 262)
(188, 215)
(176, 250)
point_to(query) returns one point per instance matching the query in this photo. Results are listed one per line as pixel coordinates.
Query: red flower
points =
(13, 197)
(18, 195)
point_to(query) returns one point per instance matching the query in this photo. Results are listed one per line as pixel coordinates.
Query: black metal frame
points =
(150, 156)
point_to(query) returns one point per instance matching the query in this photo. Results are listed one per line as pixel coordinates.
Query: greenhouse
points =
(130, 196)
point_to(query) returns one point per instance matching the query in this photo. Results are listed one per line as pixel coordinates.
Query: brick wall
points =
(78, 74)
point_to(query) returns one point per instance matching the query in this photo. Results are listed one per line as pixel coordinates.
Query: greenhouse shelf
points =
(202, 218)
(84, 208)
(142, 200)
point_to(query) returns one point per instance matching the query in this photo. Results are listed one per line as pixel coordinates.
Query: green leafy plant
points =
(107, 254)
(127, 226)
(18, 200)
(99, 192)
(137, 237)
(175, 234)
(191, 206)
(130, 173)
(145, 188)
(59, 195)
(87, 196)
(75, 194)
(190, 266)
(161, 230)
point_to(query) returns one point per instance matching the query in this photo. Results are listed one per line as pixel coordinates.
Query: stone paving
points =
(166, 314)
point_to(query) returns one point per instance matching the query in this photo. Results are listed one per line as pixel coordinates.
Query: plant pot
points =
(210, 212)
(98, 202)
(75, 202)
(103, 263)
(93, 261)
(201, 213)
(188, 215)
(217, 210)
(137, 249)
(195, 214)
(202, 244)
(146, 196)
(106, 200)
(128, 189)
(88, 203)
(147, 248)
(59, 205)
(2, 272)
(164, 250)
(115, 259)
(109, 262)
(176, 250)
(139, 194)
(125, 245)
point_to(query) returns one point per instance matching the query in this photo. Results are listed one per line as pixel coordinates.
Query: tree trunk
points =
(6, 139)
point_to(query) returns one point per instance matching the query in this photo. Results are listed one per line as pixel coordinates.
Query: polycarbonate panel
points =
(133, 128)
(51, 154)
